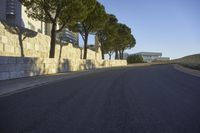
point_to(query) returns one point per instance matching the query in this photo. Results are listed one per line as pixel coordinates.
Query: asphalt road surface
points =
(156, 99)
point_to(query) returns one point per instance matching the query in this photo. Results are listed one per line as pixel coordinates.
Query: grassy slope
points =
(192, 61)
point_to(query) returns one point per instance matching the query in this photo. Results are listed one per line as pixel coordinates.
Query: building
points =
(13, 12)
(152, 56)
(68, 36)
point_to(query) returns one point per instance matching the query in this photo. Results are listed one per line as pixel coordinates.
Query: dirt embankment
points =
(192, 61)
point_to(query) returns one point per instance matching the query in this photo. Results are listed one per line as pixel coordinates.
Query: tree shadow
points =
(22, 33)
(61, 47)
(20, 67)
(87, 65)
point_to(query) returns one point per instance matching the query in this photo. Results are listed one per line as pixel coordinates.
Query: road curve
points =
(155, 99)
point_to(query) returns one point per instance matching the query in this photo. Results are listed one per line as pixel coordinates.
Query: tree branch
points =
(47, 12)
(84, 28)
(63, 25)
(57, 13)
(82, 35)
(58, 10)
(60, 29)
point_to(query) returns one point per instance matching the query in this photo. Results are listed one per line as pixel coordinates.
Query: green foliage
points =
(107, 35)
(94, 22)
(115, 37)
(62, 12)
(85, 17)
(122, 40)
(135, 59)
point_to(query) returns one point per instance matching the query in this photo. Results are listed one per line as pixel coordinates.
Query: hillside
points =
(192, 61)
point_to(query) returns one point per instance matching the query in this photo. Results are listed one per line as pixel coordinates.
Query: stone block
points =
(4, 39)
(2, 30)
(11, 60)
(52, 70)
(27, 61)
(17, 51)
(9, 48)
(1, 47)
(13, 75)
(12, 67)
(3, 60)
(19, 60)
(4, 75)
(27, 73)
(4, 68)
(39, 61)
(19, 67)
(31, 67)
(31, 73)
(37, 47)
(7, 60)
(50, 61)
(39, 65)
(30, 46)
(20, 74)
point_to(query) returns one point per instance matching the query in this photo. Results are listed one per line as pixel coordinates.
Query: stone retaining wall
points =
(14, 40)
(17, 67)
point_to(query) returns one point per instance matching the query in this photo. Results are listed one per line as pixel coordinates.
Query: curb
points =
(10, 87)
(187, 70)
(28, 83)
(37, 81)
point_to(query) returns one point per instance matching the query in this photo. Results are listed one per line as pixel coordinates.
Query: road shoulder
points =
(187, 70)
(9, 87)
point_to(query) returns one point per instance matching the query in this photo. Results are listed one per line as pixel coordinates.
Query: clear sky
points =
(168, 26)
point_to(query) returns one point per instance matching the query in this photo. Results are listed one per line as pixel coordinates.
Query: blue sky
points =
(168, 26)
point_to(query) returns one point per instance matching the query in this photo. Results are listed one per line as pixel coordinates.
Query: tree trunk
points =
(122, 54)
(60, 53)
(102, 52)
(116, 55)
(110, 56)
(85, 46)
(53, 41)
(21, 44)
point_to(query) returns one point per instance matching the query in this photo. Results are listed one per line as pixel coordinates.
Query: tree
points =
(130, 43)
(94, 22)
(109, 48)
(135, 59)
(22, 34)
(123, 40)
(58, 12)
(107, 34)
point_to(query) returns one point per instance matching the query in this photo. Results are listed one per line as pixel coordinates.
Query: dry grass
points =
(192, 61)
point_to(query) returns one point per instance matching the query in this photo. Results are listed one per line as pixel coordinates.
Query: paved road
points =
(157, 99)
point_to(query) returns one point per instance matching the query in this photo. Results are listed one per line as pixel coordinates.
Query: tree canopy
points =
(107, 34)
(58, 12)
(94, 22)
(85, 17)
(124, 40)
(115, 37)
